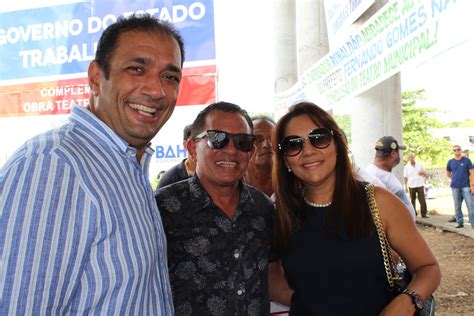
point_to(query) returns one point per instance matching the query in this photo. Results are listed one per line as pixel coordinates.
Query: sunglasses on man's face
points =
(219, 139)
(292, 145)
(456, 149)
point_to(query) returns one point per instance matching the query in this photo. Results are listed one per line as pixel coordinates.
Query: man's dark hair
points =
(187, 132)
(262, 118)
(135, 22)
(199, 122)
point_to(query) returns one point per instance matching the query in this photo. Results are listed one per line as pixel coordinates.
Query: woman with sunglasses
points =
(324, 234)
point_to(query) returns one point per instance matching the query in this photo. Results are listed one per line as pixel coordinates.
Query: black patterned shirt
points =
(218, 265)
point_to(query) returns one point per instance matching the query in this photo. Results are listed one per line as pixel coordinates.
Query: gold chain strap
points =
(384, 245)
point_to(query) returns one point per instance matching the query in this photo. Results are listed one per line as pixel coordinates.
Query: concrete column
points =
(311, 33)
(286, 74)
(376, 112)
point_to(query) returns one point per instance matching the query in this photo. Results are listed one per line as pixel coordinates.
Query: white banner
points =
(402, 33)
(340, 14)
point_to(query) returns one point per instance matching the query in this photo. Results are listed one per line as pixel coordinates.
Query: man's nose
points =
(153, 87)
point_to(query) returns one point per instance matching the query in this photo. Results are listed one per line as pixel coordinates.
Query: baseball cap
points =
(388, 143)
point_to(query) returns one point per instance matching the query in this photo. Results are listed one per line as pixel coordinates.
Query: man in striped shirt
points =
(80, 232)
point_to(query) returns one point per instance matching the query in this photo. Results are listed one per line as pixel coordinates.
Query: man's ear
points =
(191, 148)
(94, 74)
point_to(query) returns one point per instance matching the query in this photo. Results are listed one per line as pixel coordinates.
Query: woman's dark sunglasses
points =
(293, 145)
(220, 139)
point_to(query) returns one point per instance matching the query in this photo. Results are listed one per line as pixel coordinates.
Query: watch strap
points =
(415, 298)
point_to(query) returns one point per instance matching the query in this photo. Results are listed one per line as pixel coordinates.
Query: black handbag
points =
(398, 276)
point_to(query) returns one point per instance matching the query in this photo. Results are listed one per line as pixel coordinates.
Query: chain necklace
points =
(317, 204)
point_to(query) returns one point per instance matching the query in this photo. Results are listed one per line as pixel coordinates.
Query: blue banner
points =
(61, 40)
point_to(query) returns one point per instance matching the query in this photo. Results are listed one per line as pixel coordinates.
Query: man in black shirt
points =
(218, 228)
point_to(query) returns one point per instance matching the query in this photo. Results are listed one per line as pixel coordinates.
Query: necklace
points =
(317, 204)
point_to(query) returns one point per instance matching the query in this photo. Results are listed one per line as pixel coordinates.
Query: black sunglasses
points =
(220, 139)
(292, 145)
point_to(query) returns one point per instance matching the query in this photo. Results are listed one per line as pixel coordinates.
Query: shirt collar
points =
(83, 117)
(200, 197)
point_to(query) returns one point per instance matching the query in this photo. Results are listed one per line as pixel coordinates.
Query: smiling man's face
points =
(141, 92)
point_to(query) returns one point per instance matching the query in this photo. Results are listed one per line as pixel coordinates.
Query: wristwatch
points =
(415, 298)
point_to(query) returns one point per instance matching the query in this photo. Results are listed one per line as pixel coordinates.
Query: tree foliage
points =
(465, 123)
(344, 122)
(418, 123)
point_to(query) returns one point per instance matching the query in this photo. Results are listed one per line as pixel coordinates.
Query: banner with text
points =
(401, 33)
(340, 14)
(46, 52)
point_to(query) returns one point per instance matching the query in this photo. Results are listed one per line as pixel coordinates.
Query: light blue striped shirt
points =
(80, 232)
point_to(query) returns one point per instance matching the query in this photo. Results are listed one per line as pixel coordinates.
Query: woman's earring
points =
(289, 169)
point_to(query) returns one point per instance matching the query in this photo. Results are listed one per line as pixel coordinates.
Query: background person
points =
(360, 173)
(414, 175)
(325, 234)
(218, 228)
(80, 232)
(181, 171)
(387, 157)
(259, 171)
(459, 169)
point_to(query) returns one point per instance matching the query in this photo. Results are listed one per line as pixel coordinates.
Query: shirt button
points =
(239, 292)
(236, 255)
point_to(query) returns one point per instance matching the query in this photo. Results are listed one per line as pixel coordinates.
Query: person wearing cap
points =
(387, 157)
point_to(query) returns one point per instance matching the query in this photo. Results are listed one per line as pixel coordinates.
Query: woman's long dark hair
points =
(351, 211)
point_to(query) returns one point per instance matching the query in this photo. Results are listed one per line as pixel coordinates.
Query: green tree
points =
(465, 123)
(418, 123)
(344, 122)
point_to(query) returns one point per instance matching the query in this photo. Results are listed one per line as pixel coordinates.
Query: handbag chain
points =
(384, 244)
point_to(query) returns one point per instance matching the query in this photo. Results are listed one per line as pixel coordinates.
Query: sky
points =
(447, 79)
(244, 52)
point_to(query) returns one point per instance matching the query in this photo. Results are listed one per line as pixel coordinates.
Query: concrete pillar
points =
(376, 112)
(311, 33)
(286, 74)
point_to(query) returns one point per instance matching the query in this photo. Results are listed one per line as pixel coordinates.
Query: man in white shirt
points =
(415, 182)
(387, 156)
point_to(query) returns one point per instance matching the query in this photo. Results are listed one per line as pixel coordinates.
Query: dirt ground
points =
(455, 254)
